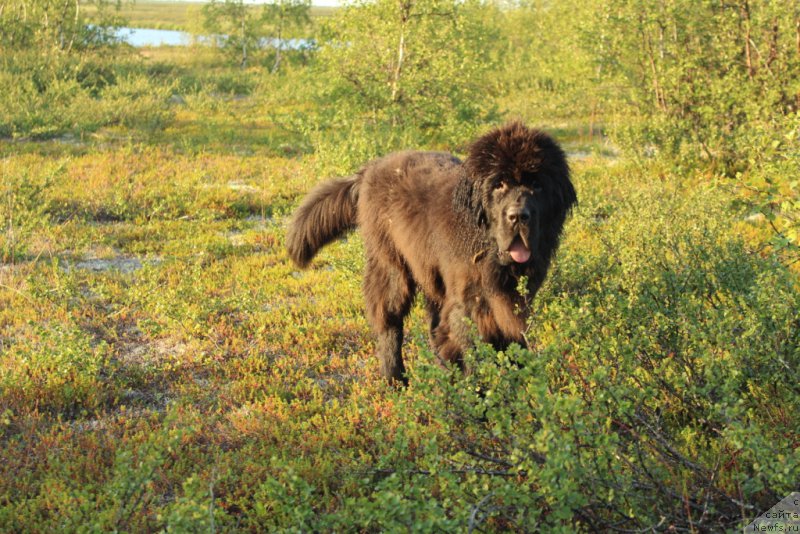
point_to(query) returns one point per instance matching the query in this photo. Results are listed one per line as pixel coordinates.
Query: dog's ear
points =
(559, 198)
(556, 168)
(559, 192)
(468, 198)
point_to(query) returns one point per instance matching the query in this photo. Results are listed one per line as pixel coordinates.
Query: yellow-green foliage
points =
(163, 366)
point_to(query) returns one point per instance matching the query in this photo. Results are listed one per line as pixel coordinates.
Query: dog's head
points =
(517, 187)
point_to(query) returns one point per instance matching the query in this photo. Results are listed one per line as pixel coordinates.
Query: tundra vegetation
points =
(164, 367)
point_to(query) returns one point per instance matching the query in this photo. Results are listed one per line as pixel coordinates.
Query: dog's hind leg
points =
(389, 291)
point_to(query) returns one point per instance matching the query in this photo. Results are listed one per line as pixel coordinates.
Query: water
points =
(150, 37)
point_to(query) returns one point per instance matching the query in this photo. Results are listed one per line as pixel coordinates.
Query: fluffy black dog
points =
(463, 233)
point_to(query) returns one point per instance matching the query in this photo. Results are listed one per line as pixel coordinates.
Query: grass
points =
(163, 366)
(157, 342)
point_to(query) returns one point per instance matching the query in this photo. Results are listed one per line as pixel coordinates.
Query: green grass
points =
(163, 366)
(157, 342)
(162, 15)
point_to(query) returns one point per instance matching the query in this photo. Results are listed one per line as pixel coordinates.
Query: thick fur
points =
(325, 214)
(463, 233)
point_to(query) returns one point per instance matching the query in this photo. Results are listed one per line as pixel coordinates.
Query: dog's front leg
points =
(451, 338)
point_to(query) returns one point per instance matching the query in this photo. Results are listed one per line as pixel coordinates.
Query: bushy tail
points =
(327, 212)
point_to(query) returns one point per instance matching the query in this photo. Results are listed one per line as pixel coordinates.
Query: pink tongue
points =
(518, 251)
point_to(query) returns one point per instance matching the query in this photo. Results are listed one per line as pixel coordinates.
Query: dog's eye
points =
(500, 186)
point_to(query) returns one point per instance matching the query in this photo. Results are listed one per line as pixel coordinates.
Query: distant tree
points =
(545, 61)
(703, 75)
(407, 71)
(240, 29)
(234, 27)
(60, 25)
(714, 85)
(61, 71)
(281, 17)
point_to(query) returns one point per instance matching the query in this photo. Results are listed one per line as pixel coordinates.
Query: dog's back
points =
(401, 188)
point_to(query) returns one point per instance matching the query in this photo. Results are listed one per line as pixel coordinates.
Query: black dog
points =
(462, 233)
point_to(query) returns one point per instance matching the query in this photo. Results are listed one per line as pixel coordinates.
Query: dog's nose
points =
(518, 215)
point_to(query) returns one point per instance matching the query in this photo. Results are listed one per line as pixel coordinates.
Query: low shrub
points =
(657, 393)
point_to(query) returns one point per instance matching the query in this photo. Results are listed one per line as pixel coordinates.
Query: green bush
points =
(396, 75)
(64, 96)
(656, 395)
(700, 76)
(772, 182)
(58, 370)
(661, 363)
(135, 102)
(23, 208)
(27, 110)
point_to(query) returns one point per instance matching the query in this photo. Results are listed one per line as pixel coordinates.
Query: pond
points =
(151, 37)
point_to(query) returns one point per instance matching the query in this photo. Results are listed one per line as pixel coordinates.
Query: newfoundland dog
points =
(463, 233)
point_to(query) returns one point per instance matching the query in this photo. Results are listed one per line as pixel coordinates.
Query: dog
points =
(464, 233)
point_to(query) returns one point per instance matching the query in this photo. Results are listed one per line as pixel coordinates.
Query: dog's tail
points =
(328, 211)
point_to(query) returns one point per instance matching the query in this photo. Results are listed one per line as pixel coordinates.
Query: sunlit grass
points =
(163, 364)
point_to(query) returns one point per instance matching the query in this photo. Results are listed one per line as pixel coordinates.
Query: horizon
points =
(316, 3)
